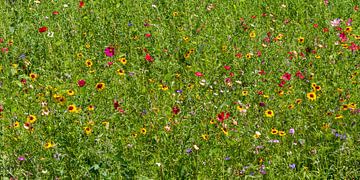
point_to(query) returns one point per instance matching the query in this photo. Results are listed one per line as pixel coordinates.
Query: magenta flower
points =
(81, 83)
(109, 51)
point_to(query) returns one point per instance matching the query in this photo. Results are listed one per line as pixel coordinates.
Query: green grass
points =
(57, 145)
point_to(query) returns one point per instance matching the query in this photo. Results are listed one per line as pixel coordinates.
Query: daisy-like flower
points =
(70, 92)
(311, 96)
(336, 22)
(87, 130)
(252, 34)
(248, 55)
(282, 133)
(88, 63)
(245, 93)
(205, 137)
(79, 55)
(16, 124)
(100, 86)
(301, 40)
(120, 72)
(269, 113)
(123, 60)
(48, 145)
(274, 131)
(257, 135)
(298, 101)
(164, 87)
(186, 39)
(143, 131)
(72, 108)
(91, 107)
(109, 51)
(33, 76)
(31, 119)
(224, 130)
(87, 45)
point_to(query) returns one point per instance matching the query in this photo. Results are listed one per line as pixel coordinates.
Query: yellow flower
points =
(70, 92)
(248, 55)
(317, 56)
(187, 55)
(298, 101)
(72, 108)
(282, 133)
(87, 130)
(269, 113)
(225, 131)
(348, 29)
(143, 131)
(339, 116)
(274, 131)
(48, 145)
(100, 86)
(88, 63)
(91, 107)
(205, 137)
(245, 93)
(175, 14)
(212, 121)
(281, 93)
(280, 36)
(311, 96)
(123, 60)
(87, 45)
(291, 106)
(120, 72)
(301, 40)
(31, 119)
(16, 124)
(186, 39)
(252, 34)
(80, 55)
(33, 76)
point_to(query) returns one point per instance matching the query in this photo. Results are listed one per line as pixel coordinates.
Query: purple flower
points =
(292, 166)
(262, 171)
(189, 150)
(292, 131)
(262, 104)
(274, 141)
(109, 51)
(179, 91)
(130, 24)
(227, 158)
(21, 158)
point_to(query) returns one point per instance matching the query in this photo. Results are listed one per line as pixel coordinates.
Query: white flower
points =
(50, 34)
(196, 147)
(65, 5)
(158, 164)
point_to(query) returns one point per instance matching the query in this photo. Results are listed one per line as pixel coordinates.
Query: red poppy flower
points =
(149, 58)
(300, 75)
(148, 35)
(55, 13)
(198, 74)
(81, 83)
(227, 67)
(175, 110)
(116, 104)
(43, 29)
(81, 4)
(286, 77)
(221, 117)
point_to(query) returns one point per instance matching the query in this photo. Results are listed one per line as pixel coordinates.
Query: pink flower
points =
(198, 74)
(109, 51)
(343, 37)
(110, 63)
(336, 22)
(286, 77)
(259, 53)
(81, 83)
(149, 58)
(282, 83)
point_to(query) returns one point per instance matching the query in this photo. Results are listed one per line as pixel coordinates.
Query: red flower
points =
(262, 72)
(259, 53)
(81, 4)
(149, 58)
(148, 35)
(356, 8)
(175, 110)
(282, 83)
(116, 104)
(198, 74)
(81, 83)
(232, 74)
(300, 75)
(221, 117)
(227, 67)
(43, 29)
(286, 77)
(55, 13)
(238, 55)
(316, 25)
(23, 81)
(325, 30)
(353, 47)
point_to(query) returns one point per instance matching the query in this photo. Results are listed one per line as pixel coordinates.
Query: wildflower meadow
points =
(206, 89)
